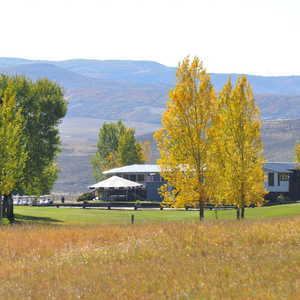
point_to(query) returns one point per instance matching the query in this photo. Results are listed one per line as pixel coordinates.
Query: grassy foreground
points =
(251, 259)
(79, 216)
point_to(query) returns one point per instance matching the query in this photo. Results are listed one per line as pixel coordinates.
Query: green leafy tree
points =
(116, 147)
(129, 151)
(106, 155)
(13, 155)
(43, 135)
(43, 106)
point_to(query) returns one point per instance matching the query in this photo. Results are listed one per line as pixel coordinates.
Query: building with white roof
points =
(134, 169)
(148, 175)
(280, 178)
(118, 188)
(116, 182)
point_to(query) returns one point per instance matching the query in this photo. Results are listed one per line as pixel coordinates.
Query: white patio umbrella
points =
(115, 182)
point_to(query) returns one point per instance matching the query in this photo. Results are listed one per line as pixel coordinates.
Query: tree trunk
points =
(1, 207)
(10, 211)
(5, 206)
(201, 210)
(238, 213)
(243, 212)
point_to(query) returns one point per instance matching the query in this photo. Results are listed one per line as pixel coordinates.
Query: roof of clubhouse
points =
(284, 167)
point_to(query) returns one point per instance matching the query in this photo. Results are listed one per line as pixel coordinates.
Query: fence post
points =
(216, 214)
(1, 208)
(132, 219)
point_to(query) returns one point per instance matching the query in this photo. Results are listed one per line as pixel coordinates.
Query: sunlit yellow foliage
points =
(236, 161)
(183, 141)
(213, 260)
(297, 151)
(146, 151)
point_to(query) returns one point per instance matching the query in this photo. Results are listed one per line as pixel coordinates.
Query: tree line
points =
(30, 112)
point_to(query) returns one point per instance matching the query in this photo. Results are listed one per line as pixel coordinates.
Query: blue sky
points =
(256, 37)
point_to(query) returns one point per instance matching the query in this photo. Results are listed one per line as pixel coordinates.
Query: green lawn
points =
(79, 216)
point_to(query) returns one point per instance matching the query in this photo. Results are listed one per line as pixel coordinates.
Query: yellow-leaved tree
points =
(297, 151)
(236, 160)
(183, 140)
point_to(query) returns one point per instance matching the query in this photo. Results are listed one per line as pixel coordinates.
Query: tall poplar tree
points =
(13, 153)
(236, 156)
(183, 140)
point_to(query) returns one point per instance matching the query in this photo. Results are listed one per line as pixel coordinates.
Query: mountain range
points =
(136, 92)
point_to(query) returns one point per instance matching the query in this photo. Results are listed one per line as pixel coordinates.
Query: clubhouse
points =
(281, 178)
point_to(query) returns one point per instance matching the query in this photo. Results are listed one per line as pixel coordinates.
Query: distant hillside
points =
(279, 137)
(66, 78)
(12, 61)
(142, 72)
(137, 90)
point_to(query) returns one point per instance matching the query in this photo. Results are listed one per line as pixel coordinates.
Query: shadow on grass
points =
(31, 219)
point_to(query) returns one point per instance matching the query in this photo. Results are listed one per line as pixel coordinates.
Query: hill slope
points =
(137, 90)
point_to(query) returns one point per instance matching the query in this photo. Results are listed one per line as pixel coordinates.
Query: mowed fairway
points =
(79, 216)
(225, 259)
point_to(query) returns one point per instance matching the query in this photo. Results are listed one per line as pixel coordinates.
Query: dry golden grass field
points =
(251, 259)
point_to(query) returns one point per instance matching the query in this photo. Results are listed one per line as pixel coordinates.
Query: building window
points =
(156, 177)
(283, 177)
(271, 179)
(140, 178)
(132, 177)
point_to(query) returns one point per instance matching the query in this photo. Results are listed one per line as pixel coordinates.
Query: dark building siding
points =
(274, 196)
(294, 185)
(151, 187)
(293, 193)
(152, 190)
